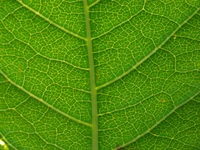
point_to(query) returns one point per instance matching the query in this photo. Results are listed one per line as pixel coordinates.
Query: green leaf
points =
(104, 74)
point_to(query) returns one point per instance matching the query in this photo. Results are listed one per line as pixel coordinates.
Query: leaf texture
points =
(100, 74)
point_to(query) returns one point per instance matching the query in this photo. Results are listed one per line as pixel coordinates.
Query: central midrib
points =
(92, 79)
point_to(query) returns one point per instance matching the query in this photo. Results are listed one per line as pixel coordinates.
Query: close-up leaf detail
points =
(100, 74)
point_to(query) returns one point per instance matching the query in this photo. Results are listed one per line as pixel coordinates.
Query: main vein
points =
(92, 79)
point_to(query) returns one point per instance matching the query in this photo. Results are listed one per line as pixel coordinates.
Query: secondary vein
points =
(149, 55)
(51, 22)
(94, 3)
(155, 125)
(44, 102)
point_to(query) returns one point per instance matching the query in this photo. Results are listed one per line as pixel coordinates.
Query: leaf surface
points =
(104, 74)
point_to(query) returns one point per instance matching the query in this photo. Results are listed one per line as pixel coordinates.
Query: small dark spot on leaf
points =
(118, 147)
(174, 37)
(162, 100)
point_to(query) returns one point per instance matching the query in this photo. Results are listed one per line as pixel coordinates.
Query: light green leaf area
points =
(100, 74)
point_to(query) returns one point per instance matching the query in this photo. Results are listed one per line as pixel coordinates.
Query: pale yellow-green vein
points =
(50, 21)
(44, 102)
(149, 55)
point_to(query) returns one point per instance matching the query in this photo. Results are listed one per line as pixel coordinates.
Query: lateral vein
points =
(46, 57)
(94, 3)
(51, 22)
(149, 55)
(155, 125)
(44, 102)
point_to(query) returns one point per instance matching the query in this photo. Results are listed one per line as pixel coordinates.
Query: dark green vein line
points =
(51, 22)
(149, 55)
(92, 79)
(155, 125)
(44, 102)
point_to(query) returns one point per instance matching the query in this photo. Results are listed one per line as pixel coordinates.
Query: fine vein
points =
(44, 102)
(173, 110)
(31, 124)
(92, 79)
(51, 22)
(46, 57)
(125, 21)
(149, 55)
